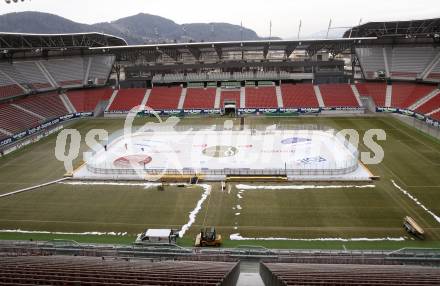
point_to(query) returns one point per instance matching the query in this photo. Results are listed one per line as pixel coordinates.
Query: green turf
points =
(412, 159)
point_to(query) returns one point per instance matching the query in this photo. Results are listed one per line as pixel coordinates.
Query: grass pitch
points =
(412, 159)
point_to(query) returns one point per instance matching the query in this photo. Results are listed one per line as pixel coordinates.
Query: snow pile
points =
(302, 187)
(436, 217)
(195, 211)
(112, 233)
(237, 236)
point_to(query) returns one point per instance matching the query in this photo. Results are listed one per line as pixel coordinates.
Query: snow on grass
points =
(109, 183)
(195, 211)
(436, 217)
(112, 233)
(239, 207)
(237, 236)
(302, 187)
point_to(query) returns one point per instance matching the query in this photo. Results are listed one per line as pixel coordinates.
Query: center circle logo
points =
(220, 151)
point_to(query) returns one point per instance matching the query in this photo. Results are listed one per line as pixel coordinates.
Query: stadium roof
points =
(196, 49)
(406, 29)
(22, 41)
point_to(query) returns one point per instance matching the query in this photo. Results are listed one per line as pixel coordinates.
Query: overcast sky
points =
(255, 14)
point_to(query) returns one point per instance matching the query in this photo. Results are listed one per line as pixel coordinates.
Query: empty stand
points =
(16, 120)
(410, 62)
(126, 99)
(436, 116)
(46, 105)
(162, 98)
(199, 98)
(375, 90)
(67, 72)
(261, 97)
(338, 95)
(230, 95)
(299, 95)
(101, 68)
(405, 94)
(33, 75)
(347, 274)
(87, 100)
(65, 270)
(430, 105)
(8, 87)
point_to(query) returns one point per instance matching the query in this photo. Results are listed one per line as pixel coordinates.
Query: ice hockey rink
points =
(214, 155)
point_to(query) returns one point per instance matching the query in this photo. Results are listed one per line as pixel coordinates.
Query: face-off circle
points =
(220, 151)
(130, 161)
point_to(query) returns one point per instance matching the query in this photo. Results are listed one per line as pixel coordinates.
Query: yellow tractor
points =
(208, 237)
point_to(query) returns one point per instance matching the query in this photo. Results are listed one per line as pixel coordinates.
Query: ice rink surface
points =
(297, 153)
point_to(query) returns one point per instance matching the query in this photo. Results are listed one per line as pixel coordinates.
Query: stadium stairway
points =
(218, 96)
(242, 97)
(279, 95)
(67, 104)
(319, 96)
(182, 98)
(388, 95)
(425, 99)
(356, 94)
(112, 98)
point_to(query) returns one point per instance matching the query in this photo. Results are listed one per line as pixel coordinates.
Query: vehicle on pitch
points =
(413, 228)
(208, 237)
(158, 236)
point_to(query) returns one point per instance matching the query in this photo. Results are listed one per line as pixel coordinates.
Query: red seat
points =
(299, 95)
(406, 94)
(338, 95)
(162, 98)
(261, 97)
(376, 90)
(430, 105)
(126, 99)
(87, 100)
(230, 95)
(200, 98)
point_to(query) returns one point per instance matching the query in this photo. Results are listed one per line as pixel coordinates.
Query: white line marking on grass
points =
(112, 233)
(32, 188)
(303, 187)
(239, 207)
(237, 236)
(436, 217)
(195, 211)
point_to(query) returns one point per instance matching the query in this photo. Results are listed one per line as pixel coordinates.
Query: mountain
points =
(138, 29)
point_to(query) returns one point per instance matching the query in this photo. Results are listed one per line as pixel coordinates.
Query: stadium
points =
(299, 161)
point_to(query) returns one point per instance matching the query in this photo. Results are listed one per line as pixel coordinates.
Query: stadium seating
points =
(65, 270)
(430, 105)
(230, 95)
(375, 90)
(126, 99)
(372, 60)
(261, 97)
(46, 105)
(410, 62)
(100, 68)
(67, 72)
(8, 88)
(299, 95)
(87, 100)
(200, 98)
(347, 274)
(17, 120)
(162, 98)
(436, 116)
(338, 95)
(33, 75)
(405, 94)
